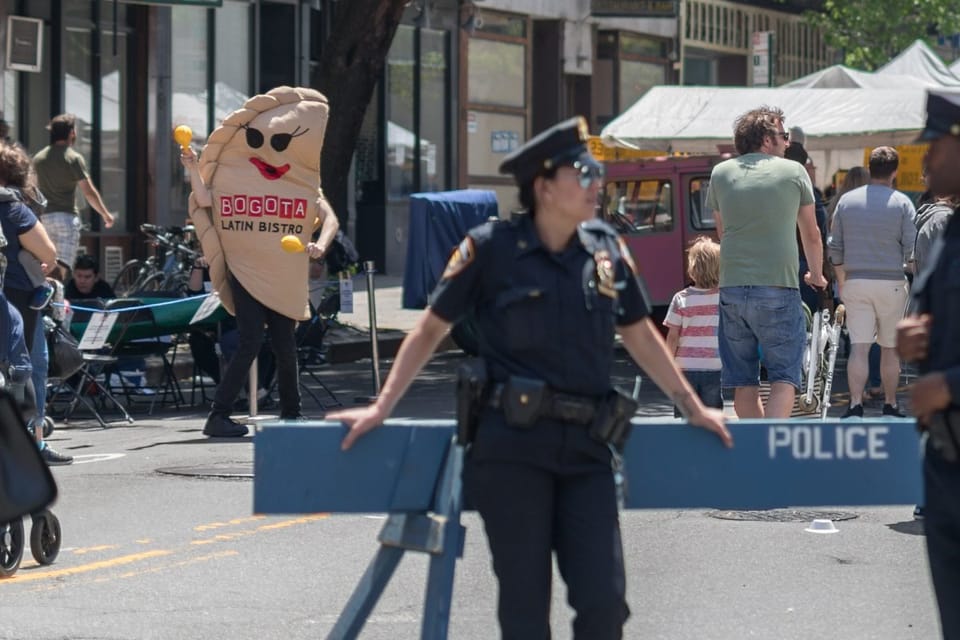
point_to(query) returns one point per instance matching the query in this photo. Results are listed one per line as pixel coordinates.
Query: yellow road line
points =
(85, 568)
(146, 555)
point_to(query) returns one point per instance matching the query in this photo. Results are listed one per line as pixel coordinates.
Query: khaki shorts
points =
(874, 307)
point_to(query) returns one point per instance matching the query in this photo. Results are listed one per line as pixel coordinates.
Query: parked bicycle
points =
(167, 270)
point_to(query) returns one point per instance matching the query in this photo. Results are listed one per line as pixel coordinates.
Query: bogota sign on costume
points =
(262, 170)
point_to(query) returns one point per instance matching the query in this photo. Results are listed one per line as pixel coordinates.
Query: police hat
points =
(563, 143)
(943, 115)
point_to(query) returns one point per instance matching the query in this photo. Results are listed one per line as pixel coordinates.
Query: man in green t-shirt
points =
(60, 170)
(759, 200)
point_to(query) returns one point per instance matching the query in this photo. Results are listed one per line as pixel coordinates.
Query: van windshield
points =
(639, 206)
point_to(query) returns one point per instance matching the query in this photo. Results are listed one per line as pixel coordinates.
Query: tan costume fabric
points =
(262, 168)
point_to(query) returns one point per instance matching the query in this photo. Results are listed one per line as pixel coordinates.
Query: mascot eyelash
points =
(279, 141)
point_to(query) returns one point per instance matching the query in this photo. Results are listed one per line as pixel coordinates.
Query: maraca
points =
(291, 244)
(183, 135)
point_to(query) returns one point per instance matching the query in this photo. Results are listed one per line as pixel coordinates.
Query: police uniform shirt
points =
(543, 315)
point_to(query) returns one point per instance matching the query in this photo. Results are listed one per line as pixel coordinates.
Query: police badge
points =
(605, 280)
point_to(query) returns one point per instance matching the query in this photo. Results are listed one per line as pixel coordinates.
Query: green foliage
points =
(870, 32)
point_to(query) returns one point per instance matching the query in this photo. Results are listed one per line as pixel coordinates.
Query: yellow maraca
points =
(183, 135)
(291, 244)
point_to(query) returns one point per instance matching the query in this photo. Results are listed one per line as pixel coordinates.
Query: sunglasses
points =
(785, 135)
(588, 172)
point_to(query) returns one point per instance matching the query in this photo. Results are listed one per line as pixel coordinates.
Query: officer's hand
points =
(929, 394)
(816, 281)
(358, 422)
(713, 420)
(913, 337)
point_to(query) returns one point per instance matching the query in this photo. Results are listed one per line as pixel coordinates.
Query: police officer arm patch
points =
(462, 256)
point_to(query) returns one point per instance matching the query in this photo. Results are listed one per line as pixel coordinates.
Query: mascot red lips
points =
(269, 171)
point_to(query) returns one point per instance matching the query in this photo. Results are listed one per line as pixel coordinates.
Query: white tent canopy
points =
(920, 61)
(841, 77)
(698, 119)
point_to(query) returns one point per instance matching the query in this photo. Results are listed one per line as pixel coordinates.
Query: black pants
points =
(251, 317)
(21, 300)
(941, 520)
(529, 512)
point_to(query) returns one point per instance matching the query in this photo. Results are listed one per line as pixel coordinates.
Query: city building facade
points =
(465, 82)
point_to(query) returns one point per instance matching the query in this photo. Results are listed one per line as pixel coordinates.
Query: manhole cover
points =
(783, 515)
(225, 470)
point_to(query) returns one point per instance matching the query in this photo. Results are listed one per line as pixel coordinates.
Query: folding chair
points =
(85, 386)
(140, 336)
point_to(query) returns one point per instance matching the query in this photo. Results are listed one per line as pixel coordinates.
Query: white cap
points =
(797, 135)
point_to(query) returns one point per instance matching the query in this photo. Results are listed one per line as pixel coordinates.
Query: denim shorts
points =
(755, 318)
(706, 384)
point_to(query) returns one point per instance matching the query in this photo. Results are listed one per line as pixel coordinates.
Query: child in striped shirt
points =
(692, 321)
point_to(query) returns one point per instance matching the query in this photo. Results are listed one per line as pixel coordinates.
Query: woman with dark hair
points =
(24, 232)
(547, 289)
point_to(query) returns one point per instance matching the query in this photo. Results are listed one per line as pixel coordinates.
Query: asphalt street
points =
(160, 541)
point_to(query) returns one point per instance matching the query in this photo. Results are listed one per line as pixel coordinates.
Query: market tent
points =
(955, 67)
(699, 119)
(842, 77)
(920, 61)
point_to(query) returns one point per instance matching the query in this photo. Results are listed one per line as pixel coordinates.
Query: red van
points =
(659, 206)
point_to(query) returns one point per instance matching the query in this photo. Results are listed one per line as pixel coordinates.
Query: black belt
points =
(556, 406)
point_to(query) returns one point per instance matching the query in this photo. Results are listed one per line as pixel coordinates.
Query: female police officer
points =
(547, 289)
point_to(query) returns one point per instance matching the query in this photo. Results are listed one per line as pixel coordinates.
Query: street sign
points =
(763, 58)
(634, 8)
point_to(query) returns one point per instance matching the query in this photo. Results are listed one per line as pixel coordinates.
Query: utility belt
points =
(525, 401)
(944, 433)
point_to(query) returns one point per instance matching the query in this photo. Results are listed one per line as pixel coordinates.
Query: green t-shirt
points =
(59, 169)
(758, 197)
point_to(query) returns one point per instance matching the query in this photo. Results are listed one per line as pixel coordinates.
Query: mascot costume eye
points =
(262, 170)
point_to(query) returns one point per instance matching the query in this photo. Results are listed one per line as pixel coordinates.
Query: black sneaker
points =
(219, 425)
(892, 411)
(54, 458)
(41, 296)
(295, 418)
(853, 412)
(918, 512)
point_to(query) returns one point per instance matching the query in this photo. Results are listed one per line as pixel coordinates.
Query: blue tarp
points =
(438, 222)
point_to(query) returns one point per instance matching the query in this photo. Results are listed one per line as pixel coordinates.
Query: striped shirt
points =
(696, 312)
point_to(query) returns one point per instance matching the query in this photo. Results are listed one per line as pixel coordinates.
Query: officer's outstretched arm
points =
(646, 346)
(414, 352)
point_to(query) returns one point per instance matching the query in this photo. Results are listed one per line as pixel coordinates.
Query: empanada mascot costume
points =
(258, 180)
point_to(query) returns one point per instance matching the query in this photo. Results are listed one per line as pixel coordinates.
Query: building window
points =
(497, 98)
(417, 122)
(232, 76)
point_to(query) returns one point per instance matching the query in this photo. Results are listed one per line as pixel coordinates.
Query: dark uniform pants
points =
(528, 512)
(942, 524)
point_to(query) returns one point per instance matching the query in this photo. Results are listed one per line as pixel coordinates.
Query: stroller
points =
(18, 400)
(819, 361)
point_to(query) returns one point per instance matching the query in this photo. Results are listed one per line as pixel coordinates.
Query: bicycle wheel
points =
(125, 282)
(153, 282)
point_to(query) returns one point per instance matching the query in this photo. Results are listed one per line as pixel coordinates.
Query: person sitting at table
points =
(86, 282)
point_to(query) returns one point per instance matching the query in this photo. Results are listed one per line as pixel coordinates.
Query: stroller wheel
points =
(809, 407)
(45, 537)
(11, 547)
(48, 426)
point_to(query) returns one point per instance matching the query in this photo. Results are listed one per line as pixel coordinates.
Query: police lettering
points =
(805, 442)
(258, 206)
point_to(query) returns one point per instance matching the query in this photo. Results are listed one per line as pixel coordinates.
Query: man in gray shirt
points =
(872, 237)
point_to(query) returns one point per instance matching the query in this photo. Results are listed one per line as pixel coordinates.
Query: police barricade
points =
(411, 470)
